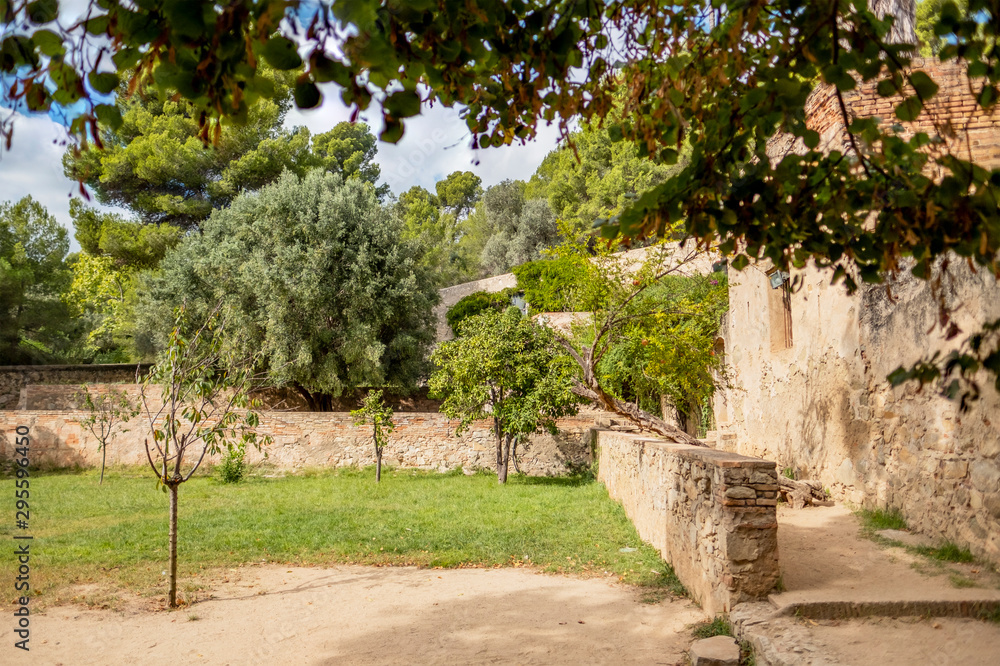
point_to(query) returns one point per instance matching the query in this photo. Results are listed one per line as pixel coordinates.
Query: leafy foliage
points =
(33, 276)
(314, 275)
(108, 413)
(203, 407)
(437, 234)
(648, 332)
(504, 368)
(459, 192)
(549, 285)
(477, 303)
(667, 350)
(156, 165)
(379, 415)
(591, 177)
(519, 229)
(232, 468)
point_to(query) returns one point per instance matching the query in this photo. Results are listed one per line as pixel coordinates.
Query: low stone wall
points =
(14, 378)
(710, 513)
(315, 439)
(62, 397)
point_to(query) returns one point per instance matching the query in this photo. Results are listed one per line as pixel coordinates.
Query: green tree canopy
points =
(590, 176)
(459, 192)
(519, 229)
(156, 164)
(314, 274)
(33, 276)
(506, 369)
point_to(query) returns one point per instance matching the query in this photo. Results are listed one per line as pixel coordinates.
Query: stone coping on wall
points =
(711, 514)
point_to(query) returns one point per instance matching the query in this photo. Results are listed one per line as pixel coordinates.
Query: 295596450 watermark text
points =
(22, 539)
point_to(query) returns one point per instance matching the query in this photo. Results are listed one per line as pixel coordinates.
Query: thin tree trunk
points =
(173, 544)
(506, 458)
(378, 465)
(104, 455)
(501, 463)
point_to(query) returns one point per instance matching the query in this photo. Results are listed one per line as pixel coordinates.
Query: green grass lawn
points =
(115, 535)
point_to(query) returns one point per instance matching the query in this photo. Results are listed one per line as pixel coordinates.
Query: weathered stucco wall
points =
(824, 408)
(315, 439)
(815, 397)
(710, 513)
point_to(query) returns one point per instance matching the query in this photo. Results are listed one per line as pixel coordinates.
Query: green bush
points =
(548, 284)
(477, 303)
(233, 466)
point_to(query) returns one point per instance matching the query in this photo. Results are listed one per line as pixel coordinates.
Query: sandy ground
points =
(362, 615)
(906, 641)
(823, 557)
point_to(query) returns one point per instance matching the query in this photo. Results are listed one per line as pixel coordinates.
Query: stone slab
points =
(715, 651)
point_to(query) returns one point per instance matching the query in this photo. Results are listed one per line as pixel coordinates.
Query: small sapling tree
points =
(505, 368)
(204, 407)
(108, 413)
(379, 415)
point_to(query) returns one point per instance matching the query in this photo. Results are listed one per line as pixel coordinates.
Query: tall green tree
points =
(504, 368)
(437, 234)
(590, 176)
(725, 78)
(102, 294)
(349, 150)
(459, 192)
(314, 274)
(156, 163)
(518, 229)
(34, 320)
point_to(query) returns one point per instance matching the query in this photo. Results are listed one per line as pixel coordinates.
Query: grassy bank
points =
(115, 536)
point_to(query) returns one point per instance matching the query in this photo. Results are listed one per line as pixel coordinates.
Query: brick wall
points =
(952, 112)
(711, 514)
(315, 439)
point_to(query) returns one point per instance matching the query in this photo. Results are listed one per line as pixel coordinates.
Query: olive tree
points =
(314, 276)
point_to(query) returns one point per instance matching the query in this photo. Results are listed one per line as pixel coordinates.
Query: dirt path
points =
(361, 615)
(823, 557)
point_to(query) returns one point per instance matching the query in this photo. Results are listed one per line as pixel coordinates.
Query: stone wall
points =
(824, 408)
(14, 378)
(452, 295)
(815, 398)
(315, 439)
(711, 514)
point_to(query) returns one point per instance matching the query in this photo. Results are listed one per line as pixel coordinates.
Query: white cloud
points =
(435, 144)
(34, 166)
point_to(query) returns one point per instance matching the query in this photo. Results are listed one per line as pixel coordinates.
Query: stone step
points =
(965, 603)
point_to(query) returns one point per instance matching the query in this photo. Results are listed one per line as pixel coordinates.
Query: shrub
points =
(233, 466)
(477, 303)
(549, 284)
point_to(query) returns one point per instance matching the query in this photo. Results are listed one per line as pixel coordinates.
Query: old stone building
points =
(809, 366)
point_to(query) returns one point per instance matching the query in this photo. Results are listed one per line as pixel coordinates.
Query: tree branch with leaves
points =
(203, 407)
